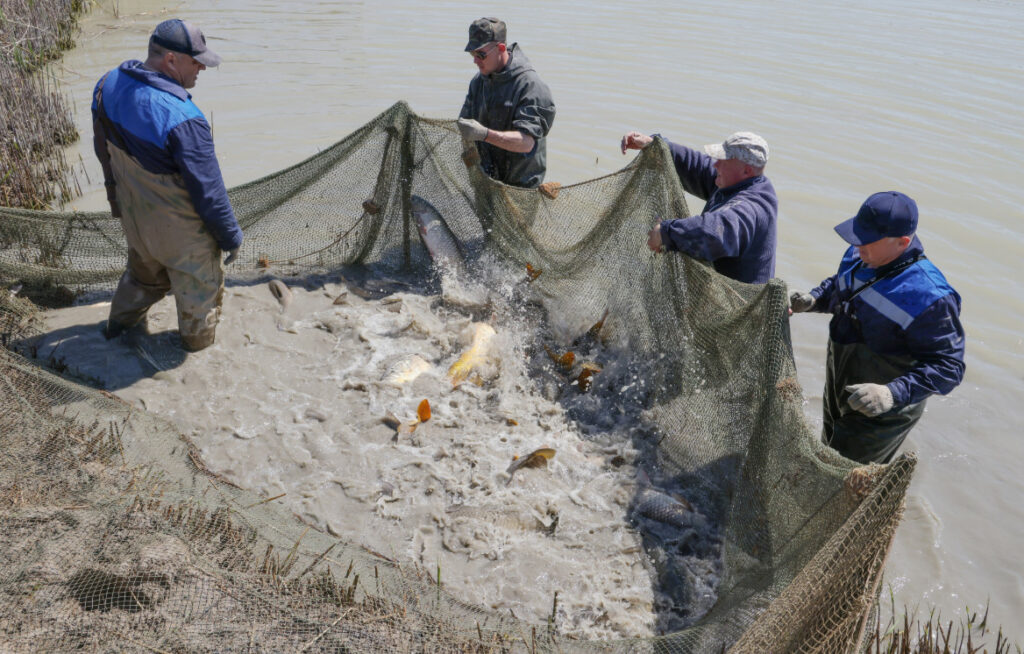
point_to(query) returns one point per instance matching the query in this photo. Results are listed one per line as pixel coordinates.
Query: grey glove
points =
(800, 302)
(471, 130)
(870, 399)
(232, 255)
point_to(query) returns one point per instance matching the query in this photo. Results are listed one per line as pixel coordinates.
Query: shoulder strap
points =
(892, 272)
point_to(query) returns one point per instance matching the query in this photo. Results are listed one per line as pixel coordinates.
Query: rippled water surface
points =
(922, 97)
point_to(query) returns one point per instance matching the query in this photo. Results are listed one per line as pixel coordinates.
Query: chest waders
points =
(851, 433)
(169, 250)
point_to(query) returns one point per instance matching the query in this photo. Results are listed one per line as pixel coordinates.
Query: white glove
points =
(232, 255)
(800, 302)
(471, 130)
(870, 399)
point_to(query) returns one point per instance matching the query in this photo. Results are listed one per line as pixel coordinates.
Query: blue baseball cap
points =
(889, 213)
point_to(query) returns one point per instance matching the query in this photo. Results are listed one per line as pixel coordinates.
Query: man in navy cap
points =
(895, 336)
(508, 110)
(164, 183)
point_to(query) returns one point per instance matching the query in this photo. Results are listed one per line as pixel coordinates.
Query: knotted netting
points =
(117, 536)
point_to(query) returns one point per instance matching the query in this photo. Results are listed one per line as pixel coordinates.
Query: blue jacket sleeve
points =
(191, 145)
(723, 232)
(823, 294)
(936, 340)
(696, 170)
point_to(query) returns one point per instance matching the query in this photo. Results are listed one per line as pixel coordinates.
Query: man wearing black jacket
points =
(508, 110)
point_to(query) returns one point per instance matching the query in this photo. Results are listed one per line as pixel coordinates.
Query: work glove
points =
(870, 399)
(232, 255)
(800, 302)
(471, 130)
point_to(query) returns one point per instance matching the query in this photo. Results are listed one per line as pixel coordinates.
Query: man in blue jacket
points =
(736, 230)
(164, 183)
(895, 336)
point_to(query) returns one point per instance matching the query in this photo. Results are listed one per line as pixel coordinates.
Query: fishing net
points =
(117, 537)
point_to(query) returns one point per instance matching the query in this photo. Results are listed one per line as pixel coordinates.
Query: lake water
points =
(853, 98)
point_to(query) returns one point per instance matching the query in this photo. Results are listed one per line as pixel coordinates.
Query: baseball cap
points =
(185, 37)
(483, 31)
(888, 213)
(745, 146)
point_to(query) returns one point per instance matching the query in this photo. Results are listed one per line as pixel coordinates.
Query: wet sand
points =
(300, 401)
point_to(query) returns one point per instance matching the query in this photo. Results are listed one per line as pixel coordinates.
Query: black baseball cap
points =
(185, 37)
(483, 31)
(889, 213)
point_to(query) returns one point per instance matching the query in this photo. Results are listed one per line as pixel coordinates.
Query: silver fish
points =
(281, 292)
(660, 506)
(442, 245)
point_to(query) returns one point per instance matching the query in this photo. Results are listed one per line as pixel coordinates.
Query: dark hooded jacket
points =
(514, 98)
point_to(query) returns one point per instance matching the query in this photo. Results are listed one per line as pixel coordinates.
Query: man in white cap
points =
(736, 230)
(164, 183)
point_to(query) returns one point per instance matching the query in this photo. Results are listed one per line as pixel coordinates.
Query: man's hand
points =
(870, 399)
(800, 302)
(471, 130)
(232, 255)
(635, 141)
(654, 239)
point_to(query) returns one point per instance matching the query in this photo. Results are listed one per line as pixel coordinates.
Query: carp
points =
(470, 365)
(662, 507)
(281, 292)
(442, 245)
(405, 369)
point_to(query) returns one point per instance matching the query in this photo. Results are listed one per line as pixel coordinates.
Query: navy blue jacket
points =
(736, 229)
(915, 314)
(166, 133)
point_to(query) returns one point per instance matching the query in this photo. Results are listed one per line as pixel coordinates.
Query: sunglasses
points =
(483, 52)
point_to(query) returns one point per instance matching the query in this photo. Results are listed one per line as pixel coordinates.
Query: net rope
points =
(119, 538)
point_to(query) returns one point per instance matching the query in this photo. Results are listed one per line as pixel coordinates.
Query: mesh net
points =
(118, 537)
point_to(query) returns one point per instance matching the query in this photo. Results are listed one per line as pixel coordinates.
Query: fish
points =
(535, 459)
(565, 361)
(281, 292)
(442, 245)
(662, 507)
(593, 335)
(506, 517)
(405, 369)
(586, 377)
(469, 365)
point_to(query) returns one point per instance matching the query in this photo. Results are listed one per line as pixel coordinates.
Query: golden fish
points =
(405, 369)
(565, 361)
(586, 377)
(474, 357)
(535, 459)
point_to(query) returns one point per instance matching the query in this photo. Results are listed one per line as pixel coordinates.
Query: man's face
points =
(730, 171)
(882, 251)
(185, 69)
(489, 58)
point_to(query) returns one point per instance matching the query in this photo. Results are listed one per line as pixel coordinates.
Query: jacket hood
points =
(517, 64)
(135, 68)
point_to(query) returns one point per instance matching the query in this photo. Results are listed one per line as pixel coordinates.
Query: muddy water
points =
(917, 96)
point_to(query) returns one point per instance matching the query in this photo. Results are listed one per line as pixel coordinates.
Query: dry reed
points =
(35, 122)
